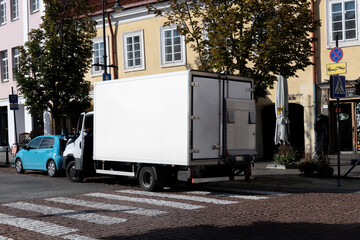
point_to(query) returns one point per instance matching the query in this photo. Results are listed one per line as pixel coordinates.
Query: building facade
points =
(17, 18)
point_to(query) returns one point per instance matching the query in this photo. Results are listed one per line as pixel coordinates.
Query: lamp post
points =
(117, 8)
(104, 36)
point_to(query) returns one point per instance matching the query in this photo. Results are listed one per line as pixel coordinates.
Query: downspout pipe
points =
(314, 73)
(113, 54)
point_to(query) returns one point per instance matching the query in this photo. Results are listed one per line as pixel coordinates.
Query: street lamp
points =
(117, 7)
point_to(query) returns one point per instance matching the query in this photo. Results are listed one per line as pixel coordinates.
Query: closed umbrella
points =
(282, 131)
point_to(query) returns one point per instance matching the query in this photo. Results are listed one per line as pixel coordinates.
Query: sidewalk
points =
(276, 180)
(290, 180)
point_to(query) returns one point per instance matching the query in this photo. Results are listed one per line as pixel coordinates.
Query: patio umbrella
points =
(282, 131)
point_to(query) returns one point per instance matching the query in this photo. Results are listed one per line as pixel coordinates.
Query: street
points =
(102, 209)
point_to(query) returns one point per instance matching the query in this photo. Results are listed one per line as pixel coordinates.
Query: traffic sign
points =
(336, 54)
(106, 76)
(338, 89)
(13, 100)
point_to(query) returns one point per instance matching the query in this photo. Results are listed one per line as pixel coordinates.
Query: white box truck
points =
(189, 125)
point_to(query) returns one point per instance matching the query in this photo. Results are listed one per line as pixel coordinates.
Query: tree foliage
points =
(54, 61)
(254, 38)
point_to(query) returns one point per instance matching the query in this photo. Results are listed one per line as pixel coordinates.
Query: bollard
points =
(7, 156)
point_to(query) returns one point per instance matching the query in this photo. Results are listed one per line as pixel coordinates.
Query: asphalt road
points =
(35, 184)
(34, 206)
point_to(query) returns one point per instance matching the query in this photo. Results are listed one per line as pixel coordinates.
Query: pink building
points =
(17, 18)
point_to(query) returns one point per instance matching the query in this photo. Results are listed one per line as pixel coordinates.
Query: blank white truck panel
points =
(172, 118)
(143, 119)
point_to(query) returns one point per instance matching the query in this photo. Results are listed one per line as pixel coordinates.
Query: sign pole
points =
(338, 140)
(16, 141)
(338, 126)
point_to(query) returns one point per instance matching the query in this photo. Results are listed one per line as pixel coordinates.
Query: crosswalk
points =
(106, 209)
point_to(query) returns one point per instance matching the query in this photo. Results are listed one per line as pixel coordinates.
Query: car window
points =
(34, 143)
(47, 142)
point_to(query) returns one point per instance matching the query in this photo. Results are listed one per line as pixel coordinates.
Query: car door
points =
(29, 158)
(44, 151)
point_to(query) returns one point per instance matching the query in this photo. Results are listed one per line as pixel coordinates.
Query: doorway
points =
(4, 135)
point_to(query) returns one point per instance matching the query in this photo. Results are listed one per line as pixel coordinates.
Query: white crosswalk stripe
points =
(248, 197)
(181, 197)
(45, 228)
(104, 206)
(147, 201)
(83, 216)
(5, 238)
(76, 237)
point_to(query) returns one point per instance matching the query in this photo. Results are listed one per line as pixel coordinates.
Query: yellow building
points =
(138, 44)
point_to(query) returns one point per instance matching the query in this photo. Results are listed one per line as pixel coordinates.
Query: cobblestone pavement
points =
(130, 213)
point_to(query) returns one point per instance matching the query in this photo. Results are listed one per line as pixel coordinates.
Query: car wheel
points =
(72, 173)
(19, 166)
(51, 168)
(147, 179)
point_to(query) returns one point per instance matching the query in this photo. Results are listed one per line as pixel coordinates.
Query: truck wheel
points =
(147, 179)
(73, 174)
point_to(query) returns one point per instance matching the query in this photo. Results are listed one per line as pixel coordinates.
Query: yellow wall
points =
(151, 28)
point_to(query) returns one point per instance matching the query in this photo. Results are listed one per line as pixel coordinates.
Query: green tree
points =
(254, 38)
(54, 61)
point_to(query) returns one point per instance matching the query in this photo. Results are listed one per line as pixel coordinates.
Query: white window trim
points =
(2, 59)
(100, 73)
(342, 43)
(12, 10)
(162, 49)
(3, 3)
(139, 33)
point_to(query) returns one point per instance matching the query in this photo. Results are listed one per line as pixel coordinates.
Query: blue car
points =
(42, 153)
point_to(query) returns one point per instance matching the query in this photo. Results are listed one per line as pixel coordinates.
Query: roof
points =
(124, 3)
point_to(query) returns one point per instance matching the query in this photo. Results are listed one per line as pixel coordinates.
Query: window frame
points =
(15, 59)
(3, 17)
(14, 9)
(141, 66)
(329, 20)
(35, 3)
(173, 62)
(96, 73)
(4, 64)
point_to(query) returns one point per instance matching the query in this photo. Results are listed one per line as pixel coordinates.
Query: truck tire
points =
(148, 180)
(73, 174)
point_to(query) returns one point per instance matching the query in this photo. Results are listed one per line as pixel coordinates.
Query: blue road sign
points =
(338, 86)
(106, 76)
(336, 54)
(13, 100)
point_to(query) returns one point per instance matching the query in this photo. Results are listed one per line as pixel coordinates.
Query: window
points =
(133, 51)
(34, 5)
(16, 58)
(2, 12)
(14, 9)
(98, 57)
(34, 144)
(4, 66)
(342, 22)
(172, 47)
(47, 142)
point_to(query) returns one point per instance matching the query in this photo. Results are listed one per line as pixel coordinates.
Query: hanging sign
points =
(336, 68)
